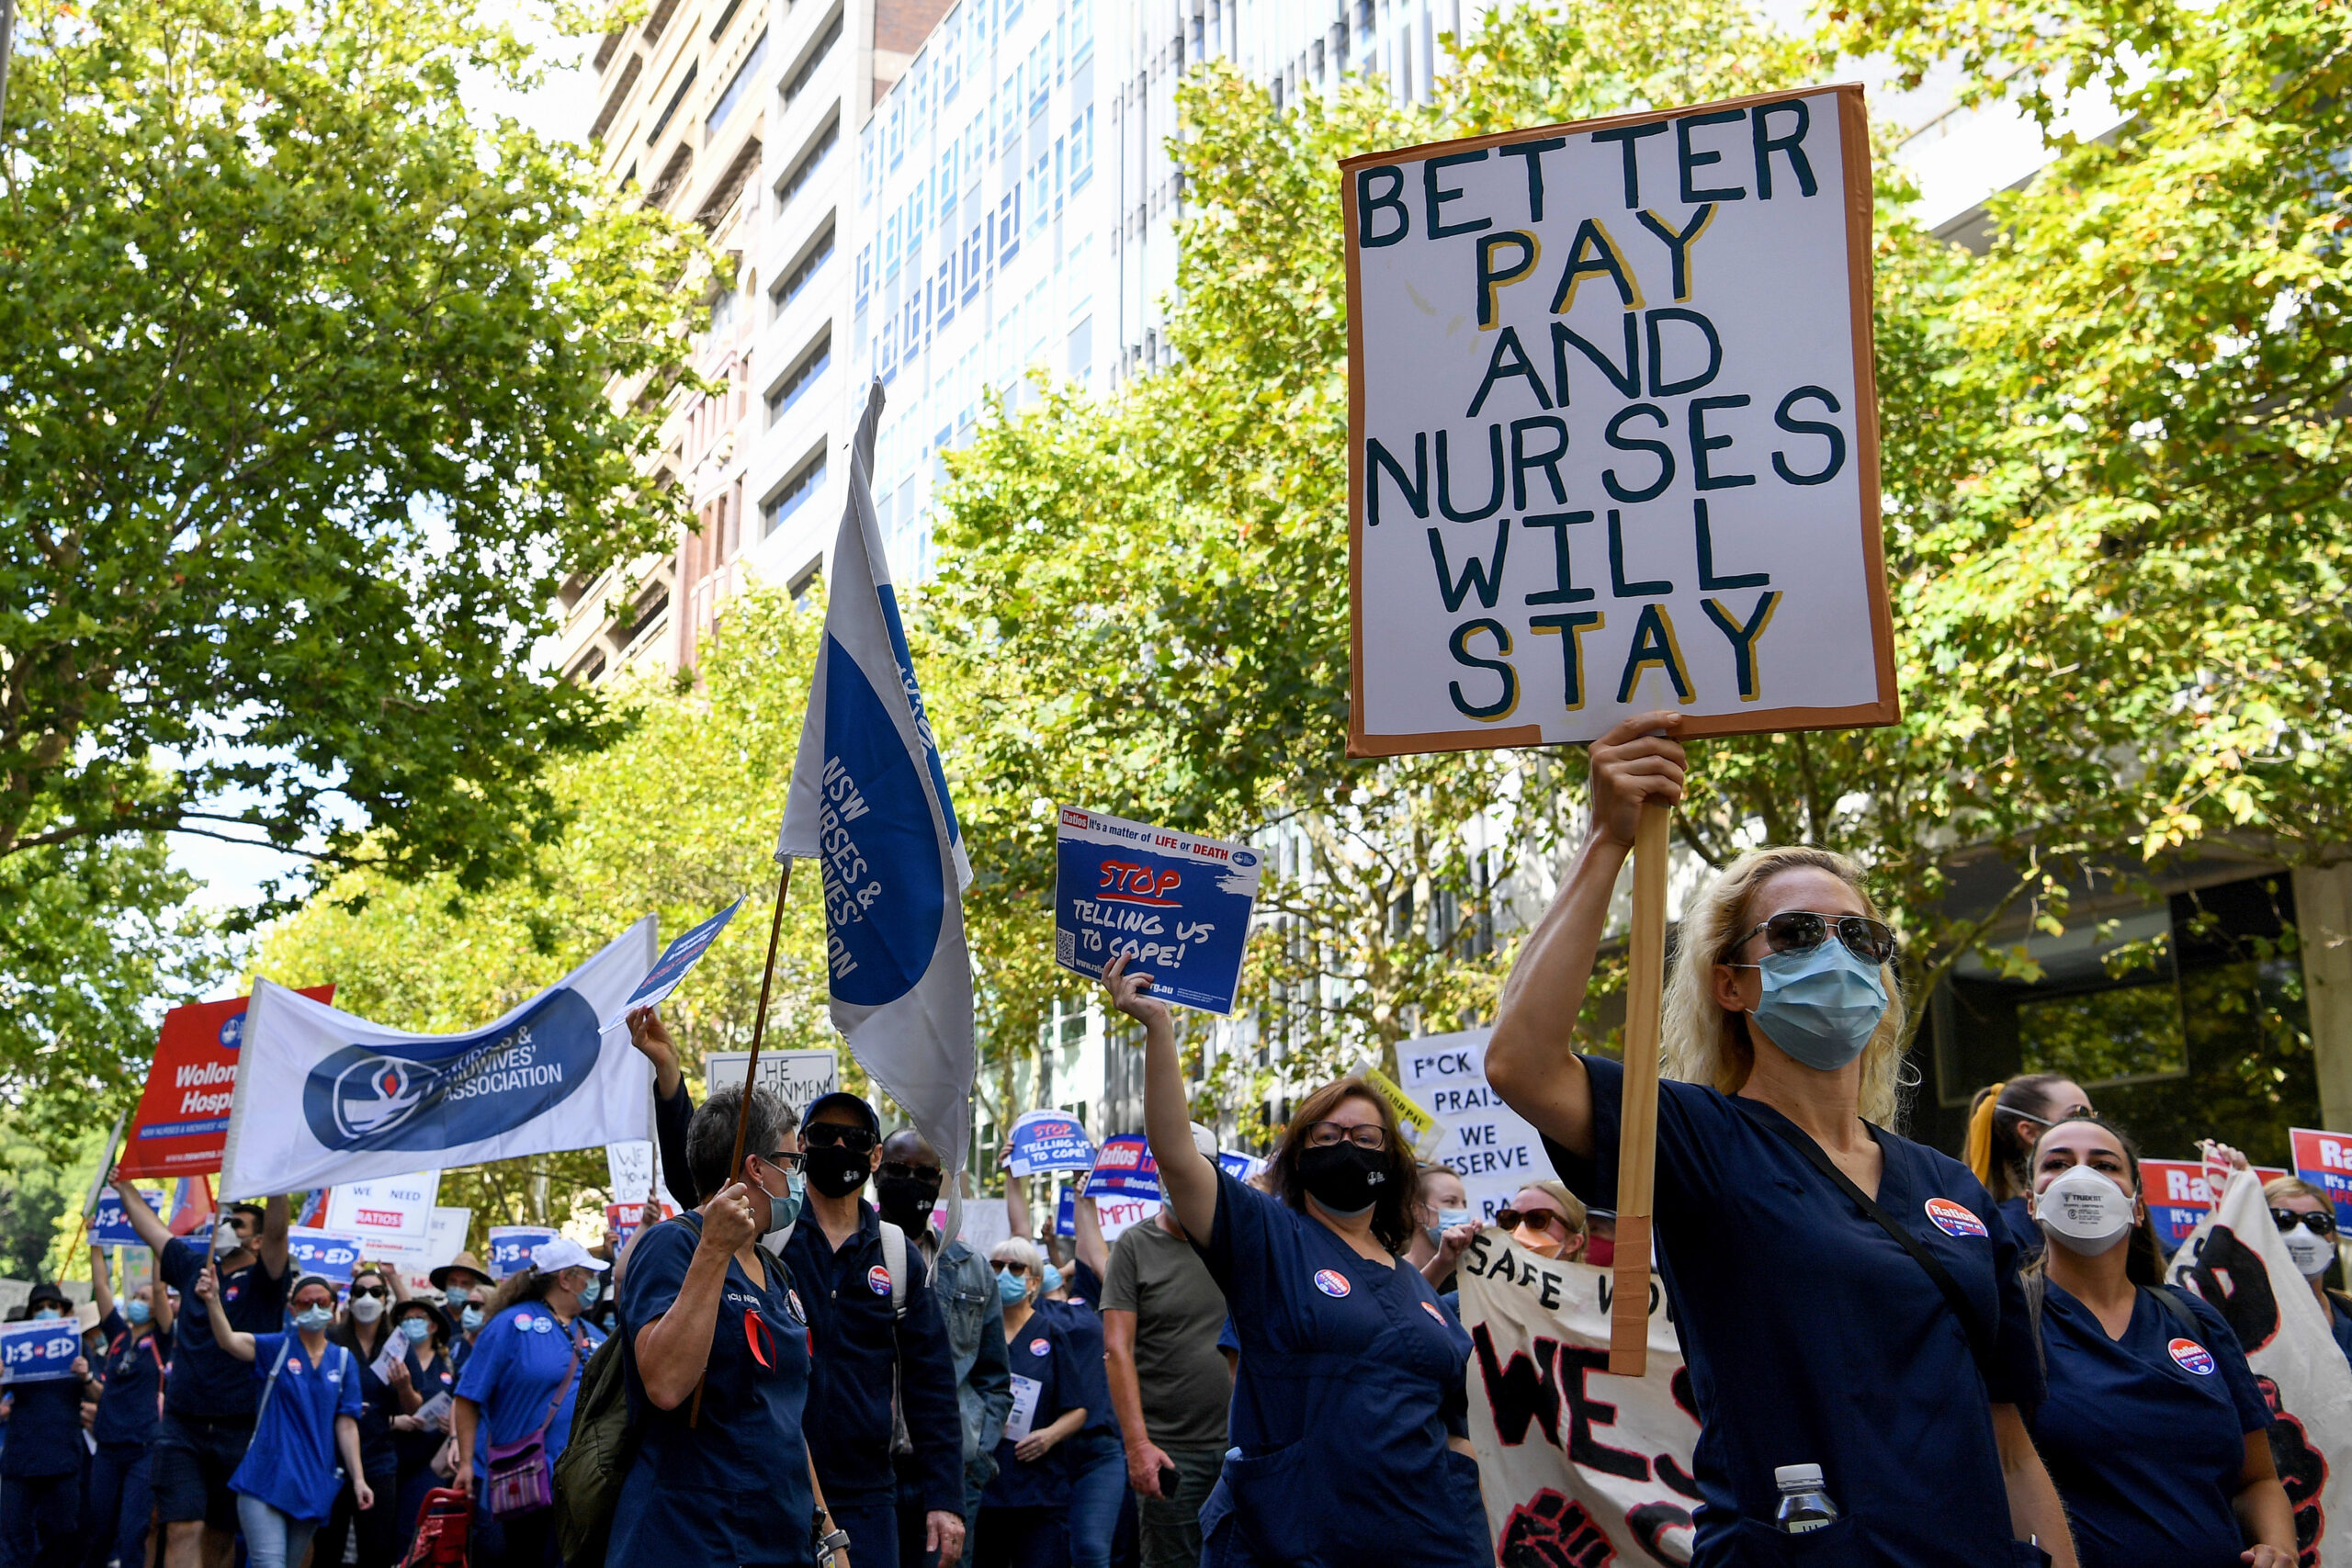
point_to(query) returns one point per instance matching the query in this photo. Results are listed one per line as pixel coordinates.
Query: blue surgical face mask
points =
(1053, 1280)
(137, 1310)
(314, 1320)
(415, 1330)
(471, 1317)
(590, 1291)
(1820, 1006)
(46, 1315)
(1010, 1287)
(783, 1208)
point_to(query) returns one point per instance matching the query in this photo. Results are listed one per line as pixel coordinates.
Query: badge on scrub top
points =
(2192, 1356)
(1040, 1347)
(1331, 1282)
(543, 1325)
(522, 1323)
(1953, 1219)
(792, 1305)
(1436, 1312)
(877, 1279)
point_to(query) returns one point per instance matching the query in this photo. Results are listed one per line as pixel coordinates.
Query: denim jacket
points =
(965, 1287)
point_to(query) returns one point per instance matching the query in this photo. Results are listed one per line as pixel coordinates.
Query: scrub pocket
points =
(1838, 1545)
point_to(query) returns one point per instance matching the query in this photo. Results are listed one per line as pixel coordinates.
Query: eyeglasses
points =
(2319, 1222)
(1329, 1135)
(897, 1169)
(1010, 1267)
(1536, 1220)
(373, 1292)
(1802, 931)
(783, 1160)
(832, 1134)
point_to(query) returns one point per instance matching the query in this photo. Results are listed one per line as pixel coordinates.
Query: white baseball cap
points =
(551, 1257)
(1204, 1140)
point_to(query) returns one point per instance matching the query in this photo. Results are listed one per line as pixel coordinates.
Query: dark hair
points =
(437, 1324)
(1392, 1210)
(260, 1215)
(2143, 1264)
(2019, 1101)
(710, 1137)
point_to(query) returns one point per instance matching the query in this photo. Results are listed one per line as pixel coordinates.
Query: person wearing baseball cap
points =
(40, 1468)
(521, 1379)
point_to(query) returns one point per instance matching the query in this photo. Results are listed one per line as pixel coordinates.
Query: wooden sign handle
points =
(1629, 1311)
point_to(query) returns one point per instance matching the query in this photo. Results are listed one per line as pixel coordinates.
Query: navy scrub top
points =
(1041, 1351)
(1352, 1379)
(733, 1487)
(1090, 1384)
(134, 1372)
(1812, 1337)
(2018, 1214)
(2144, 1437)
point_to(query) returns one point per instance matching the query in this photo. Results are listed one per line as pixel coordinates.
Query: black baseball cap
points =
(840, 1099)
(48, 1292)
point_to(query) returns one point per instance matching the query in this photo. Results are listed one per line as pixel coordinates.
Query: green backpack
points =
(596, 1459)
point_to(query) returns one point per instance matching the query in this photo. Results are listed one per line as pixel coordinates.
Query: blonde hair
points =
(1704, 1044)
(1570, 1204)
(1020, 1249)
(2279, 1187)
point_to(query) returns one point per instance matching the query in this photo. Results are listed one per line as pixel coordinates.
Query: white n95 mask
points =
(2312, 1254)
(2084, 1212)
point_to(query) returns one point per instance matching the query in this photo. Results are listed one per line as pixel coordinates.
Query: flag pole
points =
(1629, 1325)
(752, 1067)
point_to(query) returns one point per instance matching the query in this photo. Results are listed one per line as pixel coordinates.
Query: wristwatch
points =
(832, 1540)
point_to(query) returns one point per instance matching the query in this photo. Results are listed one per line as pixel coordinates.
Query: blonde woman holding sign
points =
(1856, 1336)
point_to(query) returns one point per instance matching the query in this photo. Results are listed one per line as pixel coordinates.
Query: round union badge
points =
(1953, 1219)
(2192, 1357)
(877, 1279)
(1331, 1282)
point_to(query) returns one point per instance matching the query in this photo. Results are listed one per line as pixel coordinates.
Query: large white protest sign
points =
(1540, 1388)
(2237, 1260)
(327, 1097)
(1613, 437)
(384, 1209)
(798, 1078)
(1493, 1148)
(445, 1237)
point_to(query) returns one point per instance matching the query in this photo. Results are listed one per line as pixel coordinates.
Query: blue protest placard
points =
(1241, 1167)
(1176, 904)
(1050, 1140)
(39, 1352)
(677, 958)
(1066, 1213)
(510, 1247)
(110, 1226)
(329, 1256)
(1124, 1168)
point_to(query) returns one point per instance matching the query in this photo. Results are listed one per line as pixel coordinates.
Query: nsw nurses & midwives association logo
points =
(469, 1089)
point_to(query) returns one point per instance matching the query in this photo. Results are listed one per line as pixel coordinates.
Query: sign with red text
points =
(2324, 1159)
(182, 1123)
(1178, 905)
(1613, 429)
(2179, 1192)
(384, 1209)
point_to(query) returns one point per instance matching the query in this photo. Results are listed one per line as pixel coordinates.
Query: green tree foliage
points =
(302, 377)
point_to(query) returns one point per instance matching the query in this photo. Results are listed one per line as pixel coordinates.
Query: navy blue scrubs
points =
(1812, 1337)
(733, 1487)
(2339, 1323)
(1352, 1379)
(2018, 1214)
(2144, 1436)
(1041, 1352)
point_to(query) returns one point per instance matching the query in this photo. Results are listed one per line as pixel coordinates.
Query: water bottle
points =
(1803, 1505)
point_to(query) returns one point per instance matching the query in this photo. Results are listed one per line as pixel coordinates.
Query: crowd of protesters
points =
(802, 1367)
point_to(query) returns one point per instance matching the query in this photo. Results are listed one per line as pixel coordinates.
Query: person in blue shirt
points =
(132, 1367)
(715, 1353)
(2306, 1222)
(2003, 1120)
(40, 1468)
(866, 1347)
(521, 1379)
(1350, 1416)
(1024, 1512)
(1846, 1298)
(364, 1331)
(2153, 1429)
(209, 1400)
(307, 1416)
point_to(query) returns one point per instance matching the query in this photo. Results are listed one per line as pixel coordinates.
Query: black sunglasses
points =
(832, 1134)
(1802, 931)
(2319, 1222)
(373, 1292)
(783, 1160)
(1533, 1219)
(931, 1175)
(1007, 1265)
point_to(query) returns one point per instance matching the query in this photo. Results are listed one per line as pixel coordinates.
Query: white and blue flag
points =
(325, 1096)
(869, 804)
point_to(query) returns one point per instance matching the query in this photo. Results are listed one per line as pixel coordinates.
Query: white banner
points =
(1539, 1383)
(445, 1237)
(387, 1208)
(2235, 1260)
(324, 1096)
(1494, 1149)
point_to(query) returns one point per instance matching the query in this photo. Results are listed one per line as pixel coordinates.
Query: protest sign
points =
(110, 1224)
(322, 1253)
(510, 1247)
(1421, 1129)
(630, 1165)
(984, 1224)
(1573, 1468)
(2238, 1262)
(2324, 1159)
(1123, 1168)
(332, 1097)
(445, 1237)
(1048, 1140)
(1240, 1167)
(1492, 1147)
(384, 1209)
(798, 1078)
(182, 1122)
(1118, 1214)
(1613, 437)
(2179, 1194)
(39, 1352)
(622, 1220)
(192, 1206)
(678, 957)
(1176, 904)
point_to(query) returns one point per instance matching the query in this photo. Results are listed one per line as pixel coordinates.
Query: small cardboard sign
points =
(799, 1078)
(510, 1247)
(1050, 1140)
(1178, 905)
(39, 1352)
(384, 1209)
(1124, 1168)
(110, 1223)
(681, 956)
(322, 1253)
(2180, 1192)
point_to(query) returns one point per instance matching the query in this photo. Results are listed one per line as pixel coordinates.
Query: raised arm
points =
(236, 1341)
(1187, 1181)
(1016, 1201)
(1093, 1250)
(159, 1300)
(101, 1290)
(1531, 1059)
(271, 1248)
(151, 1230)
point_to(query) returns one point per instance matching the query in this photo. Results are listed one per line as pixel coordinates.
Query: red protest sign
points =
(182, 1125)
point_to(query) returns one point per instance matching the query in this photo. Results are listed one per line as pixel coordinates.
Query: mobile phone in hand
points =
(1168, 1480)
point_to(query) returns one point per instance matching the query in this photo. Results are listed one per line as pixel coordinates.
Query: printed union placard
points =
(322, 1253)
(39, 1352)
(1178, 905)
(1613, 430)
(510, 1247)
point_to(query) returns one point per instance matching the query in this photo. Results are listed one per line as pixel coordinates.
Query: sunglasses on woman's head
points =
(1802, 931)
(833, 1134)
(2319, 1222)
(1533, 1219)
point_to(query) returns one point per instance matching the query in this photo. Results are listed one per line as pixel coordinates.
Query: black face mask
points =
(1342, 1177)
(905, 1202)
(834, 1171)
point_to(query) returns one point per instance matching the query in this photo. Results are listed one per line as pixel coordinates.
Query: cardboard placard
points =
(1178, 905)
(1050, 1140)
(670, 969)
(110, 1223)
(510, 1247)
(384, 1210)
(798, 1078)
(39, 1352)
(2324, 1159)
(1614, 440)
(322, 1253)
